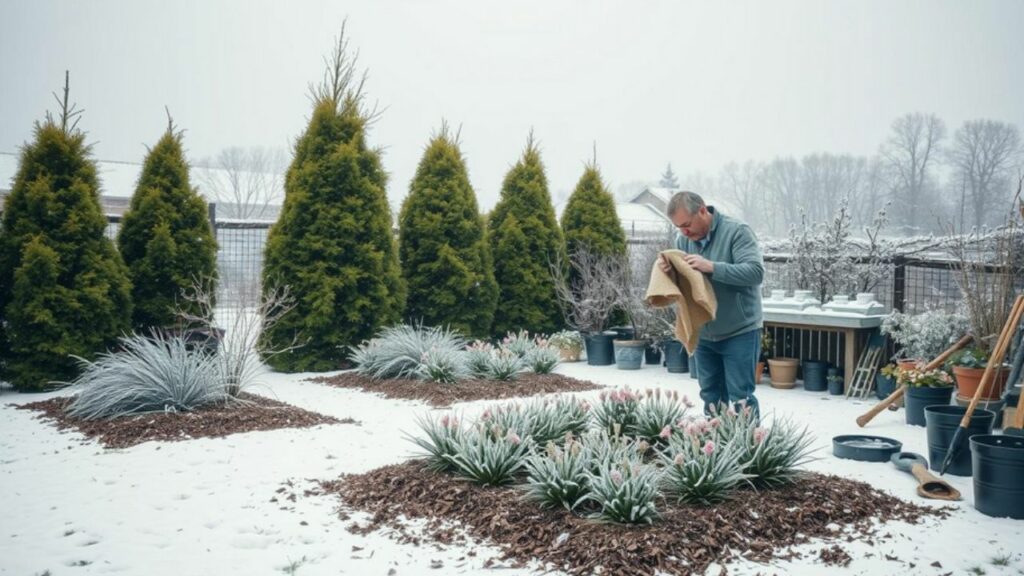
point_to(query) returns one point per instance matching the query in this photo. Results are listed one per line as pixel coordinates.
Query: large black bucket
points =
(942, 424)
(917, 398)
(815, 375)
(600, 350)
(998, 475)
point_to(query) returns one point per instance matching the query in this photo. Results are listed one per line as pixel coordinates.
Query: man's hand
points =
(663, 264)
(699, 263)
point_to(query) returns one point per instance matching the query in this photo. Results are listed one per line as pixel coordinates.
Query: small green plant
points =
(773, 454)
(616, 411)
(567, 340)
(656, 414)
(890, 370)
(625, 491)
(543, 358)
(969, 358)
(478, 358)
(519, 343)
(558, 477)
(443, 365)
(442, 436)
(700, 471)
(504, 365)
(1002, 560)
(918, 377)
(489, 454)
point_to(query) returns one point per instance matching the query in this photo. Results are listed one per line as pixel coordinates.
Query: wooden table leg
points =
(850, 362)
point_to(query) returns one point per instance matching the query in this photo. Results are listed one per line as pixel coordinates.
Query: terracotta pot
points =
(783, 372)
(758, 372)
(908, 364)
(967, 380)
(569, 355)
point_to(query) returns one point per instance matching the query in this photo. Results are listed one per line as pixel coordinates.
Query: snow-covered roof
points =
(641, 219)
(663, 194)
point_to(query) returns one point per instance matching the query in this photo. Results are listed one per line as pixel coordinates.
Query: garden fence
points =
(912, 284)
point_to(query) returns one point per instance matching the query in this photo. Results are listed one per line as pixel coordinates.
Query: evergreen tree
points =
(332, 245)
(442, 245)
(64, 289)
(525, 239)
(165, 238)
(590, 217)
(668, 179)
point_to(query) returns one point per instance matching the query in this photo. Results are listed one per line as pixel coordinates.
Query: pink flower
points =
(616, 477)
(715, 422)
(486, 415)
(759, 435)
(649, 392)
(665, 432)
(687, 402)
(445, 420)
(603, 395)
(585, 406)
(709, 448)
(678, 461)
(513, 438)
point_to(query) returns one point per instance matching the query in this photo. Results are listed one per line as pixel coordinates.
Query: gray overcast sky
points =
(694, 83)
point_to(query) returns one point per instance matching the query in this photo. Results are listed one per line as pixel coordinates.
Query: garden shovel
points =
(928, 485)
(995, 362)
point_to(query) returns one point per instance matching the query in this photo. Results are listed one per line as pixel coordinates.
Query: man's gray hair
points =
(689, 201)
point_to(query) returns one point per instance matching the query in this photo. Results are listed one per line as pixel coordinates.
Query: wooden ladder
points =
(863, 381)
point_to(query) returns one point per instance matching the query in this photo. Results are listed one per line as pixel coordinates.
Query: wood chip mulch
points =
(253, 414)
(759, 526)
(440, 395)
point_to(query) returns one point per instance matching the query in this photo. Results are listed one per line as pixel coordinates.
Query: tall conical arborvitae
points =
(442, 245)
(333, 245)
(590, 218)
(64, 289)
(525, 240)
(166, 238)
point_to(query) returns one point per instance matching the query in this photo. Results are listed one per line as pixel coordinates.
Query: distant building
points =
(655, 197)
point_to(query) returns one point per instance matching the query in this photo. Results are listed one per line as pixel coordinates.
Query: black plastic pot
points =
(836, 383)
(884, 386)
(865, 448)
(629, 354)
(675, 356)
(942, 424)
(652, 355)
(998, 463)
(600, 351)
(815, 372)
(917, 398)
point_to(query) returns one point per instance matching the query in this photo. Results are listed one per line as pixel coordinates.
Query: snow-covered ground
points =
(69, 507)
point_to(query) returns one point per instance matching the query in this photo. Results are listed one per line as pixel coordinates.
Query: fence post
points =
(899, 283)
(211, 210)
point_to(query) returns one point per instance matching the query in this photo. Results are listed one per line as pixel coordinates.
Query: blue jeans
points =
(725, 370)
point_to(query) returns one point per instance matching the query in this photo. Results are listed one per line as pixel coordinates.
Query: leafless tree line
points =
(926, 179)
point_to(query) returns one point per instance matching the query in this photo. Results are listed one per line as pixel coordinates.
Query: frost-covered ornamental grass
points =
(625, 492)
(701, 471)
(489, 454)
(156, 373)
(401, 351)
(557, 477)
(568, 454)
(441, 355)
(442, 436)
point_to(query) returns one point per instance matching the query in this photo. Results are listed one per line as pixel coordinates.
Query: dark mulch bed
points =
(527, 384)
(685, 541)
(255, 413)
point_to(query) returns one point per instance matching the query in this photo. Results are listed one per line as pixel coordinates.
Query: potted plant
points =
(885, 381)
(587, 295)
(968, 367)
(783, 372)
(921, 337)
(815, 375)
(569, 344)
(924, 388)
(767, 347)
(835, 382)
(632, 341)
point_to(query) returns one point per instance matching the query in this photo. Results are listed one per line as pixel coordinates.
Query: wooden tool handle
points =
(939, 360)
(995, 361)
(1018, 414)
(931, 486)
(866, 417)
